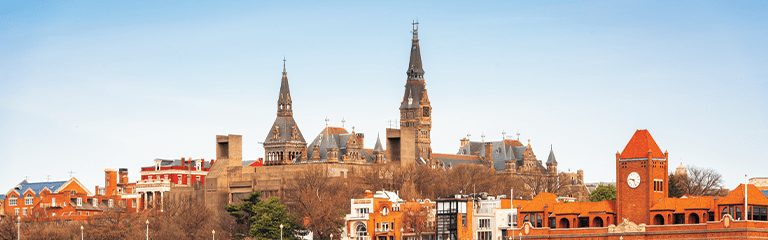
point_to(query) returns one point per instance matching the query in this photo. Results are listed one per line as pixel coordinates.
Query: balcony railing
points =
(359, 216)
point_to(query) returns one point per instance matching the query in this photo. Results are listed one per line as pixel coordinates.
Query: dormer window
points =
(79, 202)
(28, 200)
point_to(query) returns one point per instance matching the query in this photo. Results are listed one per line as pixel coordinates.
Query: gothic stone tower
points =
(411, 143)
(641, 178)
(285, 143)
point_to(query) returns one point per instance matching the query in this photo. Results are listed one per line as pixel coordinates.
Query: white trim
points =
(73, 179)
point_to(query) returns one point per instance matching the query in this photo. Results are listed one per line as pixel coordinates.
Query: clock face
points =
(633, 180)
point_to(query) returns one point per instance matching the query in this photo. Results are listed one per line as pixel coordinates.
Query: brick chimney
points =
(464, 141)
(488, 152)
(183, 162)
(368, 194)
(361, 139)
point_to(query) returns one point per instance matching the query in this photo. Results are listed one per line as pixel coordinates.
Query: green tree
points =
(264, 218)
(674, 186)
(603, 192)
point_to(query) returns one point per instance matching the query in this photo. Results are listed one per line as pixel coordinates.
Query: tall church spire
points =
(415, 70)
(284, 103)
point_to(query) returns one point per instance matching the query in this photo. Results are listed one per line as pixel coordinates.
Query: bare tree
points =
(7, 227)
(319, 199)
(701, 182)
(114, 225)
(417, 219)
(185, 217)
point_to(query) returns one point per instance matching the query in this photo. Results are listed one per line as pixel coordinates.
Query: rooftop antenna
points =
(518, 135)
(47, 178)
(342, 122)
(390, 123)
(468, 135)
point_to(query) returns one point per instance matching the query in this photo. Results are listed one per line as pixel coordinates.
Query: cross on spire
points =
(503, 135)
(518, 135)
(482, 137)
(326, 121)
(70, 173)
(468, 135)
(342, 123)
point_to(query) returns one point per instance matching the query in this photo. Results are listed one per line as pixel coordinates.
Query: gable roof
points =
(639, 145)
(73, 180)
(754, 196)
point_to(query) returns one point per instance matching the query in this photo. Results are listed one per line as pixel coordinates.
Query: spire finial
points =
(342, 123)
(518, 135)
(415, 31)
(503, 135)
(326, 121)
(482, 137)
(284, 72)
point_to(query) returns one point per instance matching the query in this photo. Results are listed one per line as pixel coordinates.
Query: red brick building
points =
(642, 209)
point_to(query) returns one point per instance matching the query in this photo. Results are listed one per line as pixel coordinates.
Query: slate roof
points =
(378, 147)
(2, 197)
(765, 192)
(36, 187)
(639, 146)
(415, 88)
(505, 150)
(551, 158)
(285, 130)
(451, 160)
(333, 137)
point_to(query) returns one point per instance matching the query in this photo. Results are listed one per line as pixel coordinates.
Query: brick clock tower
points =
(641, 178)
(411, 143)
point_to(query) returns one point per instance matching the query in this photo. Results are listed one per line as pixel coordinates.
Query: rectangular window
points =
(28, 201)
(484, 235)
(178, 181)
(12, 202)
(464, 220)
(17, 211)
(111, 202)
(462, 207)
(197, 178)
(53, 202)
(25, 212)
(79, 202)
(484, 223)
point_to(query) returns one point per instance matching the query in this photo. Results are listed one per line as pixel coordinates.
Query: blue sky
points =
(89, 85)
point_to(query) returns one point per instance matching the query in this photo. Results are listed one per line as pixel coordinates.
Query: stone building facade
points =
(286, 150)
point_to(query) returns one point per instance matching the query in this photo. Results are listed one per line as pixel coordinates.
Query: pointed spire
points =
(415, 70)
(284, 103)
(378, 147)
(551, 158)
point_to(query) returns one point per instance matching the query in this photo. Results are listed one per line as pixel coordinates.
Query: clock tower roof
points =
(639, 146)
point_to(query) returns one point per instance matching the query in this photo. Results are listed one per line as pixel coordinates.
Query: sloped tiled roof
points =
(454, 159)
(538, 202)
(639, 146)
(754, 196)
(37, 186)
(2, 197)
(682, 204)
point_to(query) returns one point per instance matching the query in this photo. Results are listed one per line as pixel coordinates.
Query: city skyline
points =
(93, 86)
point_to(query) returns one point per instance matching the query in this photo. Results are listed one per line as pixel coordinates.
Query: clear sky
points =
(89, 85)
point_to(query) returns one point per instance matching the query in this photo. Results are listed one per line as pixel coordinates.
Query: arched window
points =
(725, 211)
(538, 220)
(526, 218)
(361, 231)
(384, 211)
(738, 214)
